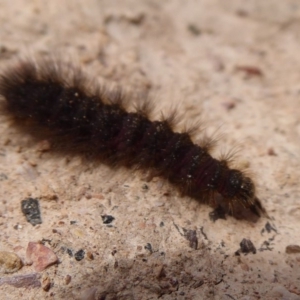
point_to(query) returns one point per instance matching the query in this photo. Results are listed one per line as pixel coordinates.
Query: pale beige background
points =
(185, 54)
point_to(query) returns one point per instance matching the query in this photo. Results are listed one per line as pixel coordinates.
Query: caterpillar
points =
(61, 100)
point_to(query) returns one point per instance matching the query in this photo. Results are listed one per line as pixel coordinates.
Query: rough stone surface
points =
(234, 66)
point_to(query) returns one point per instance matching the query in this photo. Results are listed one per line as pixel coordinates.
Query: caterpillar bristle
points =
(193, 128)
(171, 118)
(207, 143)
(143, 107)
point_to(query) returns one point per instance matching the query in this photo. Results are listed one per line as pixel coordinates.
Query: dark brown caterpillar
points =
(59, 98)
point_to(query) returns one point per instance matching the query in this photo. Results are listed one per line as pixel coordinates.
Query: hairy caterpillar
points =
(59, 98)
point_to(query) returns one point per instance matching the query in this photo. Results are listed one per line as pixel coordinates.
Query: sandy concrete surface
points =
(233, 64)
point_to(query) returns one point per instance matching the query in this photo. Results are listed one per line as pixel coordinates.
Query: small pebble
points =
(292, 249)
(149, 247)
(31, 209)
(90, 255)
(9, 262)
(22, 281)
(246, 246)
(68, 279)
(79, 255)
(18, 227)
(250, 70)
(70, 252)
(40, 256)
(46, 284)
(192, 28)
(107, 219)
(145, 187)
(271, 152)
(228, 105)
